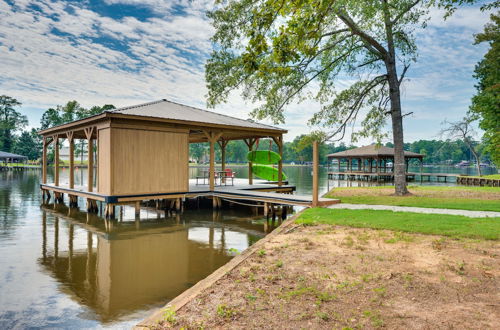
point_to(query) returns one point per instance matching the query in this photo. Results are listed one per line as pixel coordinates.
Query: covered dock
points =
(7, 158)
(142, 153)
(372, 162)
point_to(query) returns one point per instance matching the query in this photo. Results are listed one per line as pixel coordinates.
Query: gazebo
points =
(372, 161)
(7, 157)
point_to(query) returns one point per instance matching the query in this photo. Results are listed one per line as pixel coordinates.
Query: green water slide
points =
(263, 157)
(266, 172)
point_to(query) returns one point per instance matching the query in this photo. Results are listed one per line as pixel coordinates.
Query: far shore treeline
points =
(15, 138)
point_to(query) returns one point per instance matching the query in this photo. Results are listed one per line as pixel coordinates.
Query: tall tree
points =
(486, 103)
(463, 130)
(276, 51)
(71, 111)
(28, 144)
(10, 121)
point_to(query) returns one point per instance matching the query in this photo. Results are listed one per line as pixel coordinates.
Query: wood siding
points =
(145, 161)
(104, 162)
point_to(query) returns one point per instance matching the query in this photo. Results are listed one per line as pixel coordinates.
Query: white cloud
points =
(162, 57)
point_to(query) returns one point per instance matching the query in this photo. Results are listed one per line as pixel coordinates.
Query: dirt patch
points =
(326, 277)
(449, 193)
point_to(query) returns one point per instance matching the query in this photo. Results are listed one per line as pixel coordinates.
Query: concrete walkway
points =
(466, 213)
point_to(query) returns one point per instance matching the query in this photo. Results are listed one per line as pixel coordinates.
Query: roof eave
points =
(78, 122)
(196, 123)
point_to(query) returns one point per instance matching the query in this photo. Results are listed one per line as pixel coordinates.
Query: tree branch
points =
(371, 44)
(401, 14)
(406, 67)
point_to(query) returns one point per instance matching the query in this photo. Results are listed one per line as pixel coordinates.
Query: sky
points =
(126, 52)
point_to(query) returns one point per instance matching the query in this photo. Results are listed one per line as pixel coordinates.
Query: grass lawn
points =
(435, 224)
(462, 198)
(491, 176)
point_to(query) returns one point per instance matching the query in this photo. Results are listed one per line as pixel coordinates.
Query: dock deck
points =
(261, 191)
(360, 175)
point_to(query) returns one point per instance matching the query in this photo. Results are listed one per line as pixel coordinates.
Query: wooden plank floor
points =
(260, 191)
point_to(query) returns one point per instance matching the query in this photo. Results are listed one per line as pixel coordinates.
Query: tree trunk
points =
(399, 167)
(476, 156)
(397, 131)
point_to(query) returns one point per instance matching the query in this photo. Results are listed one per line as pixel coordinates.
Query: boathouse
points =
(143, 154)
(372, 162)
(7, 157)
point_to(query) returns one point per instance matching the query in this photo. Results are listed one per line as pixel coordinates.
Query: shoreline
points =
(190, 294)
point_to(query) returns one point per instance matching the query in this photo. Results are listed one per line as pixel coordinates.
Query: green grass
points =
(429, 202)
(460, 202)
(435, 224)
(491, 176)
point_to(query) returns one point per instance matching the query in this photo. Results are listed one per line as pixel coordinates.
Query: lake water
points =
(62, 269)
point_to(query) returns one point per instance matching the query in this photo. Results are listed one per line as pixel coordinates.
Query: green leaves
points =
(486, 103)
(10, 121)
(275, 52)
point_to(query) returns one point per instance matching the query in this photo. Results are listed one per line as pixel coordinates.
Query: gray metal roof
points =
(165, 109)
(372, 150)
(5, 155)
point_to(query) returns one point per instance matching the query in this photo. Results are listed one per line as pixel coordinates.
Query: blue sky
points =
(126, 52)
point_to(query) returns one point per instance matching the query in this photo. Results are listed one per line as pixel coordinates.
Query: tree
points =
(198, 151)
(486, 103)
(276, 51)
(28, 144)
(69, 112)
(10, 121)
(463, 130)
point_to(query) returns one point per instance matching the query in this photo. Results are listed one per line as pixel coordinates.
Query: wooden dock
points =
(478, 181)
(259, 194)
(19, 168)
(389, 176)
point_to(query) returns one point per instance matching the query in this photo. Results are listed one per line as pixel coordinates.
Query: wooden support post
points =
(71, 141)
(250, 142)
(223, 145)
(56, 160)
(212, 138)
(137, 209)
(279, 142)
(212, 166)
(90, 158)
(46, 142)
(315, 174)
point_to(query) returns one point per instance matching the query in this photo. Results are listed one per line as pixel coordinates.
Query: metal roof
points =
(372, 150)
(5, 155)
(166, 109)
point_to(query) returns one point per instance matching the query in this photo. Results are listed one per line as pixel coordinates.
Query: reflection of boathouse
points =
(119, 271)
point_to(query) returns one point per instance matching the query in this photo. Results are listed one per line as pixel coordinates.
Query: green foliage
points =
(225, 312)
(69, 112)
(486, 103)
(433, 224)
(444, 152)
(28, 144)
(10, 121)
(169, 315)
(275, 50)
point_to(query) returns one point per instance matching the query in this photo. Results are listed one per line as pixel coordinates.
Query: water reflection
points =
(118, 268)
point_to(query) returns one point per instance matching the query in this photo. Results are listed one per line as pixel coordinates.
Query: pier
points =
(389, 176)
(141, 153)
